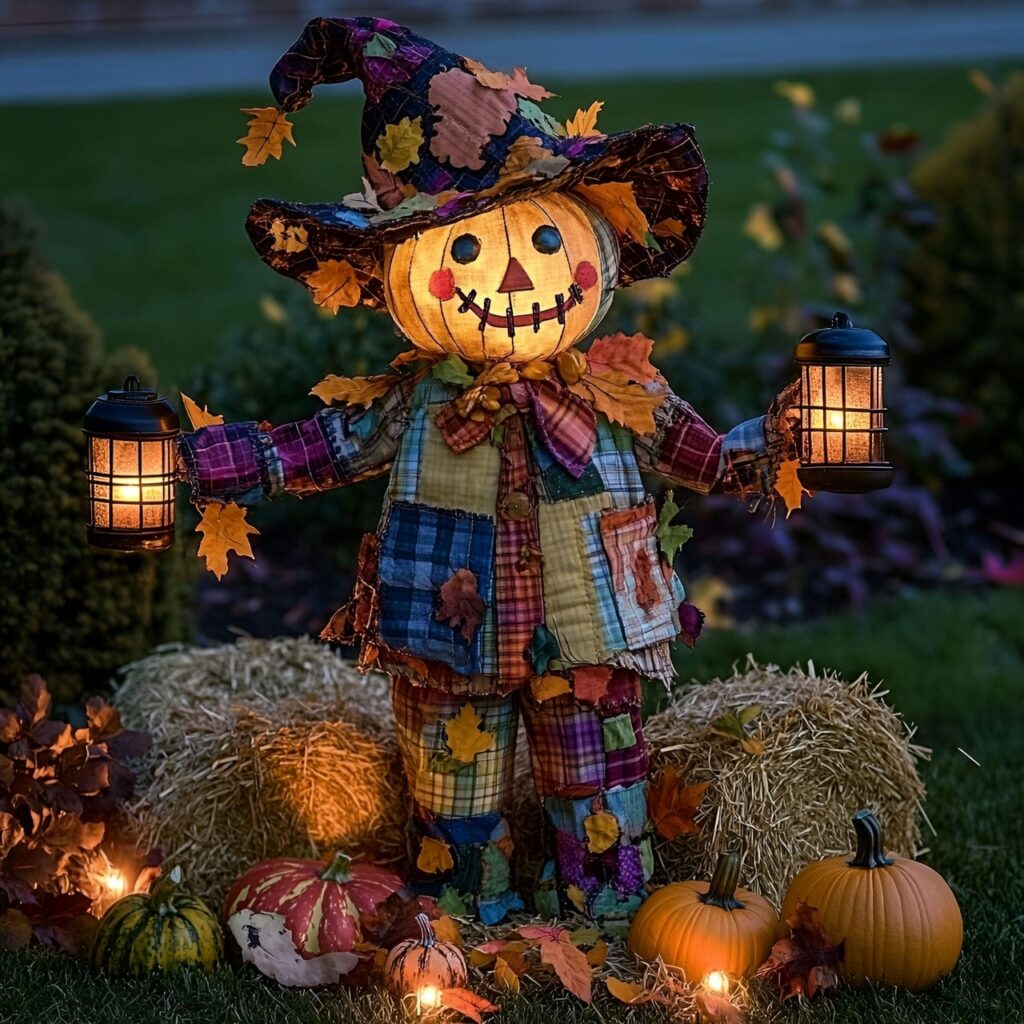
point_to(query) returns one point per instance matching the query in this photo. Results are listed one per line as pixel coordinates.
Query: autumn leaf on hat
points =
(334, 285)
(518, 81)
(399, 144)
(615, 201)
(225, 532)
(464, 736)
(469, 114)
(269, 129)
(524, 151)
(288, 237)
(584, 122)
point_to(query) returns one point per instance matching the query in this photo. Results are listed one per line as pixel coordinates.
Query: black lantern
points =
(842, 415)
(131, 469)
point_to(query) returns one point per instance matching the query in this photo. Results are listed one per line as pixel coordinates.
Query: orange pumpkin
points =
(520, 282)
(701, 928)
(424, 963)
(898, 918)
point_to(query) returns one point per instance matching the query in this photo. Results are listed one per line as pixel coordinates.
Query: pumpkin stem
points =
(722, 891)
(162, 893)
(339, 870)
(427, 937)
(870, 849)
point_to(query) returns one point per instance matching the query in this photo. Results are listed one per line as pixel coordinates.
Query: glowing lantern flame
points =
(114, 882)
(428, 997)
(717, 983)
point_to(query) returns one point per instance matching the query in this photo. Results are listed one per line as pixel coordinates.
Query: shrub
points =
(965, 279)
(66, 609)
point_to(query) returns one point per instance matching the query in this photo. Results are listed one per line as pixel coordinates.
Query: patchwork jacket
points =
(540, 524)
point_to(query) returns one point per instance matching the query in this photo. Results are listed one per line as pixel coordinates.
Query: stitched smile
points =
(510, 321)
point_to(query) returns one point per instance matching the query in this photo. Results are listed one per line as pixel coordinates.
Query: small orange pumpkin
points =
(700, 927)
(898, 918)
(426, 962)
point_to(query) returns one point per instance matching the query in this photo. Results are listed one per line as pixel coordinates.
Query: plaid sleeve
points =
(245, 462)
(687, 451)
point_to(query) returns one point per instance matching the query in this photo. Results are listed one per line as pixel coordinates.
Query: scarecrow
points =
(517, 570)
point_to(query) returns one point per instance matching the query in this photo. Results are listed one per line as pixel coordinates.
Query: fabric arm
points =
(686, 450)
(246, 462)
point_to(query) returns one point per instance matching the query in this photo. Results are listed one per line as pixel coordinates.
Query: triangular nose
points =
(516, 279)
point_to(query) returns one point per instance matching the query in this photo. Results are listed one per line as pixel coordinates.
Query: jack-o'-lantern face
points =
(520, 282)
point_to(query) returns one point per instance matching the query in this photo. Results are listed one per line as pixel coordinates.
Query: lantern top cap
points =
(842, 343)
(132, 410)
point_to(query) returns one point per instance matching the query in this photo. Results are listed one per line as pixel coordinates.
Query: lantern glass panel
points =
(845, 415)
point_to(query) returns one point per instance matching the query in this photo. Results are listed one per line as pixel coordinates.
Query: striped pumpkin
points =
(321, 905)
(161, 931)
(424, 963)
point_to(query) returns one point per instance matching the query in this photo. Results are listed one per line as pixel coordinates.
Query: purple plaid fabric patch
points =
(566, 747)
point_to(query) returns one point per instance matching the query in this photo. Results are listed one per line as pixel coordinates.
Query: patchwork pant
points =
(589, 767)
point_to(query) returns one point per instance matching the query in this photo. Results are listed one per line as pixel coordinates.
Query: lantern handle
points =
(841, 320)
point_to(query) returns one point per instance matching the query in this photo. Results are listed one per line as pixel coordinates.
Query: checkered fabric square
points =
(684, 448)
(566, 746)
(746, 461)
(405, 472)
(628, 764)
(481, 787)
(463, 480)
(615, 460)
(421, 549)
(629, 805)
(613, 636)
(225, 462)
(555, 483)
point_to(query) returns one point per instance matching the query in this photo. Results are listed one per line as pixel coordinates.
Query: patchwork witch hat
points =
(444, 138)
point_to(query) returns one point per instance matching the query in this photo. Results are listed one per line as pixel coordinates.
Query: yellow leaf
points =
(602, 831)
(799, 94)
(597, 956)
(399, 144)
(224, 531)
(434, 856)
(633, 993)
(788, 486)
(615, 201)
(353, 390)
(269, 129)
(288, 237)
(446, 928)
(490, 79)
(464, 736)
(333, 285)
(584, 122)
(631, 405)
(547, 686)
(577, 897)
(199, 417)
(505, 976)
(761, 226)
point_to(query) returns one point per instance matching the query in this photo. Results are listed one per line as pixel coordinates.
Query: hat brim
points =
(663, 163)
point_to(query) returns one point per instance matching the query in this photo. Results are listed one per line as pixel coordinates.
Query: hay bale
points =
(831, 748)
(262, 748)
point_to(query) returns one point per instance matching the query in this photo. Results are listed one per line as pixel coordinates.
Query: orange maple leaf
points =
(225, 532)
(199, 417)
(269, 129)
(670, 226)
(334, 284)
(545, 687)
(788, 486)
(464, 737)
(615, 201)
(468, 1003)
(629, 354)
(434, 856)
(521, 85)
(672, 807)
(523, 152)
(461, 604)
(584, 122)
(622, 402)
(353, 390)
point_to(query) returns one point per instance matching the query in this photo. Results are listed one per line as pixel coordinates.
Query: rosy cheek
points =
(442, 284)
(586, 274)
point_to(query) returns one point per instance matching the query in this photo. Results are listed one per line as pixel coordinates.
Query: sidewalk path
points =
(79, 68)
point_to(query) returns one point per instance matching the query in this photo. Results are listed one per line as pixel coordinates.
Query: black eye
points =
(546, 239)
(465, 248)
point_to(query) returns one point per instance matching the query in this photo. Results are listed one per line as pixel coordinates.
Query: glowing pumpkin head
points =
(519, 282)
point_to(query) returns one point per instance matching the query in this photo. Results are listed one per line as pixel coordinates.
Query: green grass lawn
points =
(144, 201)
(953, 664)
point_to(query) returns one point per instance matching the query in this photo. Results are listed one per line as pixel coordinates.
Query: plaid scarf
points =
(564, 423)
